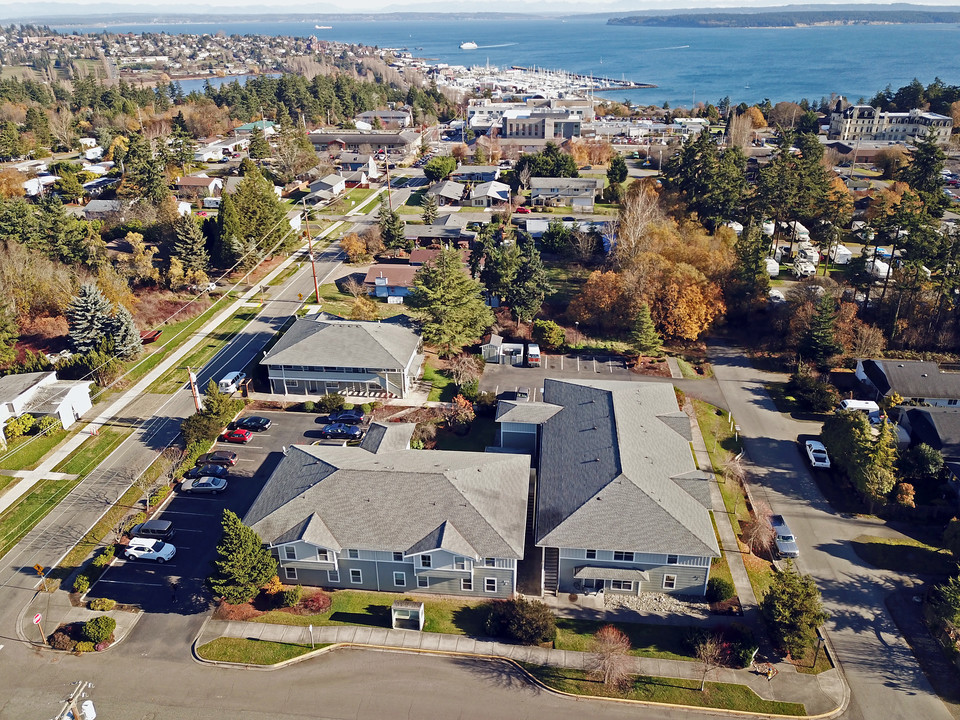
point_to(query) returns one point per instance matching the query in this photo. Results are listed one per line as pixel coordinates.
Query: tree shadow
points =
(374, 615)
(498, 673)
(472, 620)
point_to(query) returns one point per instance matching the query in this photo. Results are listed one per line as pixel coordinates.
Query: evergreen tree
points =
(144, 172)
(392, 227)
(9, 334)
(879, 475)
(228, 232)
(243, 564)
(429, 205)
(181, 147)
(617, 172)
(922, 174)
(190, 245)
(751, 282)
(819, 342)
(450, 303)
(11, 147)
(89, 316)
(645, 337)
(529, 286)
(262, 215)
(794, 610)
(259, 147)
(124, 334)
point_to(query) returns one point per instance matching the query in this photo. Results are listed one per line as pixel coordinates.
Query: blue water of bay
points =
(687, 64)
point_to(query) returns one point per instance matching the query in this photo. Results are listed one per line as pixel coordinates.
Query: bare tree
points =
(61, 126)
(354, 287)
(639, 209)
(524, 176)
(463, 369)
(710, 653)
(738, 135)
(609, 660)
(583, 244)
(145, 485)
(758, 534)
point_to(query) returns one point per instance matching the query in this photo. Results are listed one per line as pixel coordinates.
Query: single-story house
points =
(385, 518)
(938, 427)
(447, 192)
(620, 504)
(198, 186)
(387, 118)
(476, 173)
(295, 219)
(183, 208)
(437, 234)
(100, 209)
(356, 179)
(323, 354)
(41, 394)
(400, 145)
(490, 194)
(579, 193)
(268, 127)
(387, 280)
(36, 186)
(352, 162)
(93, 188)
(919, 381)
(333, 184)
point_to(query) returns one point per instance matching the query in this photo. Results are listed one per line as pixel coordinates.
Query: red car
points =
(237, 436)
(522, 210)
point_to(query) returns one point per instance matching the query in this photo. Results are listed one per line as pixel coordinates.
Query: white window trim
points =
(323, 555)
(290, 573)
(359, 572)
(466, 581)
(333, 576)
(489, 562)
(459, 563)
(588, 555)
(486, 582)
(673, 579)
(429, 561)
(403, 581)
(423, 581)
(353, 554)
(289, 552)
(676, 560)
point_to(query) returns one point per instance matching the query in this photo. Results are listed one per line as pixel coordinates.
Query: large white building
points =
(864, 122)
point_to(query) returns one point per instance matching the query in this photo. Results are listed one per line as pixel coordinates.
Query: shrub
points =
(292, 597)
(18, 426)
(470, 389)
(99, 629)
(309, 406)
(330, 403)
(104, 557)
(100, 647)
(200, 428)
(159, 495)
(743, 645)
(102, 604)
(48, 424)
(367, 408)
(720, 589)
(135, 520)
(548, 334)
(811, 392)
(348, 406)
(317, 603)
(486, 404)
(81, 584)
(84, 646)
(61, 641)
(529, 622)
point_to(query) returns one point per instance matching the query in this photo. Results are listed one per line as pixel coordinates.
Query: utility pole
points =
(313, 263)
(195, 391)
(73, 707)
(386, 165)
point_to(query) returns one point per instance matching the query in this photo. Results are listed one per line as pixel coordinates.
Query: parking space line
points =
(610, 364)
(130, 582)
(180, 512)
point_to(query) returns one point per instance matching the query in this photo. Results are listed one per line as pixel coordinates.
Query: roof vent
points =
(900, 365)
(923, 374)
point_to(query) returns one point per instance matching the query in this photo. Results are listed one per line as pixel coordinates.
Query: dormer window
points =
(426, 561)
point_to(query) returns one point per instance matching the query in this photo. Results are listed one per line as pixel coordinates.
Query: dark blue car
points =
(353, 416)
(340, 431)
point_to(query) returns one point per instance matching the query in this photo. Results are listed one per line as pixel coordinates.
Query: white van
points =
(867, 406)
(230, 382)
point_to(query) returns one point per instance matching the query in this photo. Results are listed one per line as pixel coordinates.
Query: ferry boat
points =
(469, 45)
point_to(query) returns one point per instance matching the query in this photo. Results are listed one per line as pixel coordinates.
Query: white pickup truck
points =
(786, 542)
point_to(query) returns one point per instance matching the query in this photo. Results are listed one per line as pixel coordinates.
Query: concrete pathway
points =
(819, 693)
(674, 366)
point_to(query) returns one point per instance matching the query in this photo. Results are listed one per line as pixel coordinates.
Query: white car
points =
(149, 549)
(817, 454)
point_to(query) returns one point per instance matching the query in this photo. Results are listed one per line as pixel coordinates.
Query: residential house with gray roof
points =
(387, 518)
(578, 193)
(621, 506)
(920, 381)
(324, 353)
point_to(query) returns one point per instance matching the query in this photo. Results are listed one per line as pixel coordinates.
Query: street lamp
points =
(576, 324)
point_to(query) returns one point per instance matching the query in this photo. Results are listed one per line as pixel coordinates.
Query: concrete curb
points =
(499, 658)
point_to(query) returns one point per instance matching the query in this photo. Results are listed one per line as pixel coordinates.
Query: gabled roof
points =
(197, 181)
(354, 159)
(333, 342)
(912, 378)
(938, 427)
(396, 500)
(543, 183)
(388, 436)
(448, 189)
(396, 275)
(13, 386)
(612, 464)
(534, 413)
(494, 189)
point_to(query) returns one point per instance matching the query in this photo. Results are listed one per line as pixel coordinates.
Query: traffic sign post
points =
(36, 621)
(39, 568)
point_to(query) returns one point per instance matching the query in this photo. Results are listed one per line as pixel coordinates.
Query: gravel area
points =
(659, 604)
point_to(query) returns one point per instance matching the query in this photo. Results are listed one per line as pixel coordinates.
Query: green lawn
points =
(413, 205)
(339, 303)
(6, 481)
(904, 555)
(564, 282)
(483, 434)
(30, 509)
(93, 451)
(25, 453)
(358, 195)
(665, 690)
(656, 641)
(252, 652)
(444, 388)
(785, 402)
(354, 607)
(175, 378)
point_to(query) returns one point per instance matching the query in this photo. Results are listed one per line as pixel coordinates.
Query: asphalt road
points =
(884, 677)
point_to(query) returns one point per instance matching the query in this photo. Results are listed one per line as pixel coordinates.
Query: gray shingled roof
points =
(448, 189)
(396, 500)
(607, 468)
(47, 399)
(525, 412)
(912, 378)
(388, 436)
(13, 386)
(346, 343)
(609, 572)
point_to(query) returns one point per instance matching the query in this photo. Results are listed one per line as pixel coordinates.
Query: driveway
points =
(884, 677)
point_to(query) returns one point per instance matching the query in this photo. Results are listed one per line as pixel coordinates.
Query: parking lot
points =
(501, 379)
(196, 519)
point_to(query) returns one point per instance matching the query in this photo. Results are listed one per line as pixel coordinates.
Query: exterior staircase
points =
(551, 570)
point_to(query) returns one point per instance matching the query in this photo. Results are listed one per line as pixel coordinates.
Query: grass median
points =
(670, 691)
(904, 555)
(252, 652)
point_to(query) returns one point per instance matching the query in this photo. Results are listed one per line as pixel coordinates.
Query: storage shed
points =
(406, 615)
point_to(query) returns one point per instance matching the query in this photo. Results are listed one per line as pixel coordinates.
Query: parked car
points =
(255, 423)
(522, 210)
(153, 530)
(200, 470)
(237, 436)
(204, 287)
(206, 484)
(817, 454)
(230, 382)
(341, 431)
(786, 542)
(149, 549)
(354, 416)
(220, 457)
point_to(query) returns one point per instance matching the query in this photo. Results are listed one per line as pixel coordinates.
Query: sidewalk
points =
(819, 693)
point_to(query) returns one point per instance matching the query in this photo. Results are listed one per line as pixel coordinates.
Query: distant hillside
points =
(792, 18)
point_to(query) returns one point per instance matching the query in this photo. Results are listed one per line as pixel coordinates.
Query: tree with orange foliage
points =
(683, 302)
(610, 659)
(11, 184)
(757, 120)
(355, 248)
(603, 302)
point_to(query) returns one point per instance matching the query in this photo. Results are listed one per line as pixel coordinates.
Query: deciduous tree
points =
(439, 167)
(610, 659)
(603, 302)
